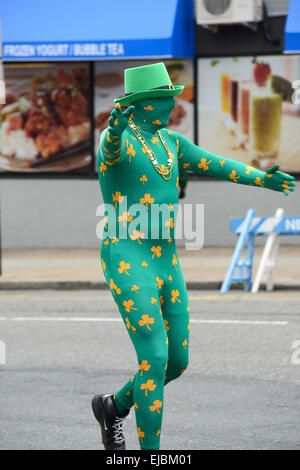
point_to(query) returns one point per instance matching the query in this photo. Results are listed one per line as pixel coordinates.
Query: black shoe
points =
(110, 421)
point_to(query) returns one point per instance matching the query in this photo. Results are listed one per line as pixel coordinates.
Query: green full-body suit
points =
(143, 270)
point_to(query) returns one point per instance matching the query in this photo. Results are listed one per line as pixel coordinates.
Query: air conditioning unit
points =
(228, 11)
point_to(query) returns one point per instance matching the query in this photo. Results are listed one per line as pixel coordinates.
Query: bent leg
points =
(142, 316)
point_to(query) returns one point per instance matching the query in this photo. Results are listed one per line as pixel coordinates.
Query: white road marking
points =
(112, 319)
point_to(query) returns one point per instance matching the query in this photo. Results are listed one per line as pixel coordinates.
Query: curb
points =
(102, 285)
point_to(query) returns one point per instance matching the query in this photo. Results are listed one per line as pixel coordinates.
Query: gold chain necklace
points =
(164, 172)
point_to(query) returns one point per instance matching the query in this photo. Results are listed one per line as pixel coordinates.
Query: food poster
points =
(246, 110)
(108, 85)
(45, 124)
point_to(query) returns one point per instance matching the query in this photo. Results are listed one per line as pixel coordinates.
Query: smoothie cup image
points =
(234, 89)
(244, 113)
(234, 95)
(225, 92)
(265, 127)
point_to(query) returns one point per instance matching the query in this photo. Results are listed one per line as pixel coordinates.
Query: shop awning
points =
(96, 29)
(292, 28)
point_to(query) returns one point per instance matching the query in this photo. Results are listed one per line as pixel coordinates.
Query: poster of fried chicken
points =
(45, 123)
(108, 85)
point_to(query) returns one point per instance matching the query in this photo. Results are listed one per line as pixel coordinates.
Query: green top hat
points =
(148, 81)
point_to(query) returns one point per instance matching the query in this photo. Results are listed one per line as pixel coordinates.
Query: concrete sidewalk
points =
(80, 268)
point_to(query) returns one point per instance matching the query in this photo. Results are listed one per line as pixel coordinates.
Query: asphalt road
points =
(241, 390)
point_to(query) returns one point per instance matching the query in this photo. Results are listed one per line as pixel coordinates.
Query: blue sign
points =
(266, 225)
(292, 28)
(96, 29)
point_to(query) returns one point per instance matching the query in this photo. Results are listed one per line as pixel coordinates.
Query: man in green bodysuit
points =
(139, 165)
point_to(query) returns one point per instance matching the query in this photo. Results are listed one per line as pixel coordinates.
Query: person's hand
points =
(118, 120)
(279, 181)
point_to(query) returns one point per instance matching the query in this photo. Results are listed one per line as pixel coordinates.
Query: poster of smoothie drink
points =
(247, 110)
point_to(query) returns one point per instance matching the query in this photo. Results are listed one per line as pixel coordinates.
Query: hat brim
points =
(158, 93)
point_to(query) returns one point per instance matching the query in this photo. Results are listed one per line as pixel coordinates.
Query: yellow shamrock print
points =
(156, 251)
(159, 282)
(169, 223)
(149, 385)
(153, 300)
(170, 240)
(102, 168)
(148, 108)
(141, 434)
(106, 242)
(137, 235)
(124, 267)
(157, 404)
(186, 165)
(144, 366)
(204, 164)
(143, 179)
(177, 145)
(233, 176)
(155, 140)
(175, 294)
(125, 217)
(184, 344)
(222, 162)
(146, 320)
(170, 278)
(136, 406)
(156, 122)
(158, 433)
(113, 286)
(103, 264)
(161, 300)
(128, 305)
(115, 240)
(135, 288)
(117, 198)
(128, 323)
(147, 199)
(131, 152)
(144, 264)
(177, 181)
(166, 325)
(174, 261)
(258, 182)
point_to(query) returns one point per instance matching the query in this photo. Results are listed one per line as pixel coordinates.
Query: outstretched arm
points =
(193, 158)
(110, 147)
